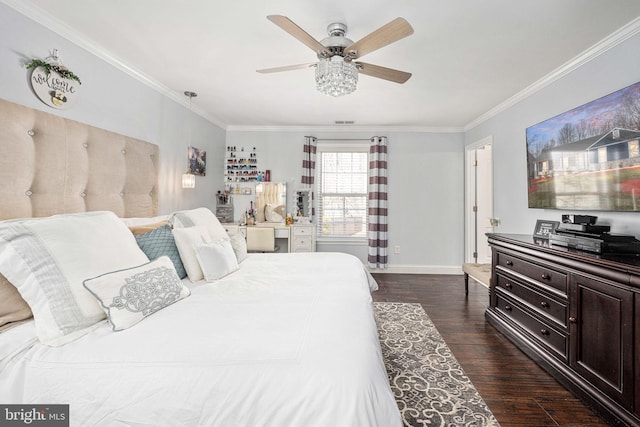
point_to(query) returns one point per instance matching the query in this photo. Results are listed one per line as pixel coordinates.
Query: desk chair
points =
(261, 239)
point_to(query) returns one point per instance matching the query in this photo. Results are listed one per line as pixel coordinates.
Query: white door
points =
(484, 202)
(479, 200)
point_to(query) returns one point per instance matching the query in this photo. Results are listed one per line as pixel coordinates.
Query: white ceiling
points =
(468, 57)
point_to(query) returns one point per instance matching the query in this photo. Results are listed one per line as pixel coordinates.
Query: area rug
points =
(428, 383)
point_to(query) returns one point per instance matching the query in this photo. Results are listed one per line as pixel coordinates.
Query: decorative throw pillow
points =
(145, 228)
(274, 213)
(159, 242)
(47, 259)
(13, 307)
(186, 239)
(134, 222)
(239, 245)
(128, 296)
(199, 216)
(217, 259)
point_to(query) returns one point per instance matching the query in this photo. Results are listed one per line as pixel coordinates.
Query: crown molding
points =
(46, 20)
(60, 28)
(609, 42)
(345, 129)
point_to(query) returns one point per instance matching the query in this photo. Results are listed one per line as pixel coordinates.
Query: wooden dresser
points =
(576, 314)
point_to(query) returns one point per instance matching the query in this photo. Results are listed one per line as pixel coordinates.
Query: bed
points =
(240, 340)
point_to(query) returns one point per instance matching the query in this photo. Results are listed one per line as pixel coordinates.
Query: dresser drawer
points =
(553, 340)
(548, 307)
(302, 231)
(231, 229)
(302, 244)
(538, 272)
(281, 233)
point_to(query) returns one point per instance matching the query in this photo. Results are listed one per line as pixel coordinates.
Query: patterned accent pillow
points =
(159, 242)
(145, 228)
(128, 296)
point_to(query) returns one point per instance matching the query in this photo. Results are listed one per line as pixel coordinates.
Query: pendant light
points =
(189, 179)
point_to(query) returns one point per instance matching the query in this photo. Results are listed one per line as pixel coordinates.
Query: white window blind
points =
(342, 189)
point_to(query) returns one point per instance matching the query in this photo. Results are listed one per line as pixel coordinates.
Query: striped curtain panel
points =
(309, 168)
(377, 233)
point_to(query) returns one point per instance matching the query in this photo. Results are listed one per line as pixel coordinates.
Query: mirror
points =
(303, 206)
(271, 202)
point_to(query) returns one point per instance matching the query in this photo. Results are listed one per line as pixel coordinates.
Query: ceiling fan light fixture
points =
(336, 77)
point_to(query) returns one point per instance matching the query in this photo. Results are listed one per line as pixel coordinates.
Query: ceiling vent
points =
(344, 122)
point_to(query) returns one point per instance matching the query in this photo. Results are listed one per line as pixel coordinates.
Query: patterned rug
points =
(428, 382)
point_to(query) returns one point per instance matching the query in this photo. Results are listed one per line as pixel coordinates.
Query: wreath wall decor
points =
(52, 82)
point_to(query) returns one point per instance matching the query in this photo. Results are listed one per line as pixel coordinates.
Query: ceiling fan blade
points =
(286, 68)
(290, 27)
(395, 30)
(383, 72)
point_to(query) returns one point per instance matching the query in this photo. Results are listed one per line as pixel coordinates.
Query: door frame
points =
(470, 194)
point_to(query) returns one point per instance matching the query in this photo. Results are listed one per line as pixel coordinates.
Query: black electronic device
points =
(597, 243)
(584, 228)
(579, 219)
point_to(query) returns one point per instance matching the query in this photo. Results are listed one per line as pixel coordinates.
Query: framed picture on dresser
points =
(544, 228)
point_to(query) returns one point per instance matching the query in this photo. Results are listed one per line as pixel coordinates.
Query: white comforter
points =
(288, 340)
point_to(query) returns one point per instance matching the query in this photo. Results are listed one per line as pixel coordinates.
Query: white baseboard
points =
(420, 269)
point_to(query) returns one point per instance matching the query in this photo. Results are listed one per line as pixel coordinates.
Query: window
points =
(342, 189)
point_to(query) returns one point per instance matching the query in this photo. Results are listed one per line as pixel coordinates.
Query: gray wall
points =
(612, 70)
(113, 100)
(426, 188)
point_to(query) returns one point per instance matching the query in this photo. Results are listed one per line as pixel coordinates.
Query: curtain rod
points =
(342, 139)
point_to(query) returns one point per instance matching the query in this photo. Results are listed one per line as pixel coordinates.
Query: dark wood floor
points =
(517, 391)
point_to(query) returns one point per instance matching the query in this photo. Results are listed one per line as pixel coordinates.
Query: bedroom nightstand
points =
(303, 238)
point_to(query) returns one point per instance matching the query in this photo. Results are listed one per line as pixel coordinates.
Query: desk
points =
(299, 237)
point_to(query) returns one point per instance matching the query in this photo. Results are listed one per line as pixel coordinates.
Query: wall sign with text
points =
(53, 89)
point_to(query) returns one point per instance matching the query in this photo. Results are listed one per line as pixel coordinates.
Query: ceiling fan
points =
(337, 68)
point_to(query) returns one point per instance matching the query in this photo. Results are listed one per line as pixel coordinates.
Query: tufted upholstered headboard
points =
(51, 165)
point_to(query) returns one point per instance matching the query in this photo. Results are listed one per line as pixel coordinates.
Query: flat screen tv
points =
(588, 158)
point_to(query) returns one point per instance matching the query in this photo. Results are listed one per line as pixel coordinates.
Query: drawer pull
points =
(508, 308)
(544, 331)
(546, 276)
(572, 319)
(544, 304)
(509, 262)
(508, 285)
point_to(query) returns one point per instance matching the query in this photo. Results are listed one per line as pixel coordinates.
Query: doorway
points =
(479, 200)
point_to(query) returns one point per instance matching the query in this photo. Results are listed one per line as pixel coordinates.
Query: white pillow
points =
(186, 240)
(199, 216)
(274, 213)
(128, 296)
(239, 245)
(217, 259)
(47, 259)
